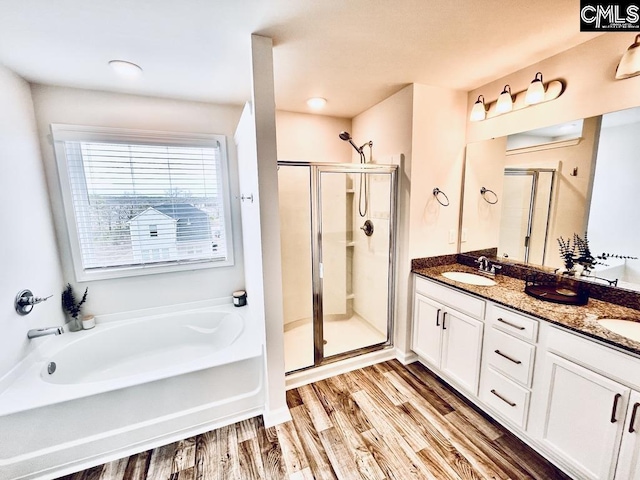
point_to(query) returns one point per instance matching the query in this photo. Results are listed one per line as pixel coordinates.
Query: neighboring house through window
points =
(143, 202)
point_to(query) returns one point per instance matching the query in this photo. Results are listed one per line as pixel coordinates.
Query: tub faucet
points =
(41, 332)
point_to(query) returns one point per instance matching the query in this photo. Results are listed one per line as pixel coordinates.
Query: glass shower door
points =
(295, 223)
(355, 240)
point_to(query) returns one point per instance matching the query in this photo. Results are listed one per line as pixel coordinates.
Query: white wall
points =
(312, 138)
(28, 252)
(86, 107)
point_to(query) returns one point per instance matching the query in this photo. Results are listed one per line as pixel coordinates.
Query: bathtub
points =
(130, 384)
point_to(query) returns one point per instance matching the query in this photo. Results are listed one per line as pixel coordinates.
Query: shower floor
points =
(340, 336)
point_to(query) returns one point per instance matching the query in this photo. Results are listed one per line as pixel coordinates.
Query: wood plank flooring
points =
(386, 421)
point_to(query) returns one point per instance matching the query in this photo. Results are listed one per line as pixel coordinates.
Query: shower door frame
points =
(535, 174)
(315, 170)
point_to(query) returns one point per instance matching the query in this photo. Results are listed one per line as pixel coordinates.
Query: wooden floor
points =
(384, 421)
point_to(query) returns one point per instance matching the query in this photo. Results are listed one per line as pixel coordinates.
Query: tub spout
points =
(41, 332)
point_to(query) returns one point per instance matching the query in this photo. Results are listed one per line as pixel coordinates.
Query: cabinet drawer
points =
(505, 397)
(510, 356)
(514, 323)
(462, 302)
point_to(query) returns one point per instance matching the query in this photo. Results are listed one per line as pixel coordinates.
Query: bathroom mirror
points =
(524, 191)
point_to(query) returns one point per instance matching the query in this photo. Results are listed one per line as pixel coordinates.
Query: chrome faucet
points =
(483, 263)
(486, 267)
(41, 332)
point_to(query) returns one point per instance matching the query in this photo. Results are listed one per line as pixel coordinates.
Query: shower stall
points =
(338, 253)
(526, 213)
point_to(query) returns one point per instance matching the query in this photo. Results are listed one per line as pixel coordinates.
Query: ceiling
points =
(354, 53)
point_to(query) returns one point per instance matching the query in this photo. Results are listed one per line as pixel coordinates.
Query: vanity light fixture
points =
(126, 69)
(629, 65)
(505, 101)
(316, 103)
(479, 110)
(535, 92)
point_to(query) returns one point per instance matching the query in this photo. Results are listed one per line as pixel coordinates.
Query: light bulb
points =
(479, 111)
(505, 102)
(535, 92)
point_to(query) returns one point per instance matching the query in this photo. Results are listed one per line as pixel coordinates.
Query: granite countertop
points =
(509, 292)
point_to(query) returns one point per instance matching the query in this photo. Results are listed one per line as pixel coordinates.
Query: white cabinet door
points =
(629, 460)
(427, 330)
(584, 418)
(461, 349)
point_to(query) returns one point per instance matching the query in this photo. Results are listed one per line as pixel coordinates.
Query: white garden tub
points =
(128, 385)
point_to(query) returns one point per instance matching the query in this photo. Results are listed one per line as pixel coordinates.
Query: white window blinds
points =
(140, 205)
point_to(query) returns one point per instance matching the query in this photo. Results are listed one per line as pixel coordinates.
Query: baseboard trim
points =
(406, 358)
(275, 417)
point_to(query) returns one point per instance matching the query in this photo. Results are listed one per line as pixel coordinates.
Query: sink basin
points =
(626, 328)
(469, 278)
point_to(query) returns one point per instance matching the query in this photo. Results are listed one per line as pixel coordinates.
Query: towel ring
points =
(484, 191)
(436, 192)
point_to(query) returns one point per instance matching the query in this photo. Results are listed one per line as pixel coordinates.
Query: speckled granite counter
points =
(509, 292)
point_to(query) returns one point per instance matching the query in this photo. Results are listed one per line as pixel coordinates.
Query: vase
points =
(74, 323)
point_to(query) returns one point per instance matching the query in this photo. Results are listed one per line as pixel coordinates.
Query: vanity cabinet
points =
(586, 413)
(629, 459)
(448, 340)
(571, 397)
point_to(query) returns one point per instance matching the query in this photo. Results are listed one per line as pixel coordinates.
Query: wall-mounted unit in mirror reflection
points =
(553, 182)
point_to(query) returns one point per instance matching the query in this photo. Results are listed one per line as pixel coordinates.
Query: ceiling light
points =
(125, 69)
(629, 65)
(316, 103)
(505, 102)
(535, 92)
(479, 111)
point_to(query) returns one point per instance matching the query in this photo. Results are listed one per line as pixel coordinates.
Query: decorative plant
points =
(575, 251)
(69, 302)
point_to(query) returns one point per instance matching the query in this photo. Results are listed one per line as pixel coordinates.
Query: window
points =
(143, 202)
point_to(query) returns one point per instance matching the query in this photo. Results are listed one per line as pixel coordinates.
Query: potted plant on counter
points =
(73, 307)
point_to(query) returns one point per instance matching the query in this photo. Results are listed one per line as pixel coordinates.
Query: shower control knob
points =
(367, 228)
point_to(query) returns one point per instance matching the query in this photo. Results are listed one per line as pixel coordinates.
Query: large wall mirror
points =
(524, 191)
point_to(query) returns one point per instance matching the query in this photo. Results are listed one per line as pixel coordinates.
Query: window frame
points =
(62, 133)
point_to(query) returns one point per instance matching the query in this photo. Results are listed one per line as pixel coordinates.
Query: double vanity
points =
(553, 374)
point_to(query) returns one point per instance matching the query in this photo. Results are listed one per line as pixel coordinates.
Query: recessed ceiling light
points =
(316, 103)
(126, 69)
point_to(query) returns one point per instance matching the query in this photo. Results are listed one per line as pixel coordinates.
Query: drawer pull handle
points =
(633, 417)
(444, 317)
(517, 362)
(615, 407)
(510, 324)
(508, 402)
(438, 317)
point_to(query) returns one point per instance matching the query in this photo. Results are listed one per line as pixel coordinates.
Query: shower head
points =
(346, 136)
